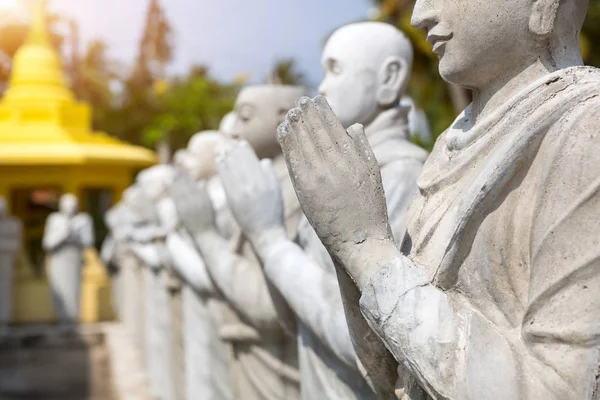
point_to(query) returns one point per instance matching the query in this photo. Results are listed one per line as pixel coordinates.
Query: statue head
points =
(202, 150)
(3, 207)
(480, 41)
(136, 202)
(155, 181)
(258, 112)
(367, 66)
(68, 205)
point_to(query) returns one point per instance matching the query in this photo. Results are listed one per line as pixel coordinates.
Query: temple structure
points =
(48, 147)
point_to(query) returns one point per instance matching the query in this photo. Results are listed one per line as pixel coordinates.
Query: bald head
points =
(155, 181)
(201, 153)
(68, 204)
(259, 110)
(367, 66)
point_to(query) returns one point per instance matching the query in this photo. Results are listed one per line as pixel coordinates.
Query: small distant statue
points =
(66, 235)
(10, 243)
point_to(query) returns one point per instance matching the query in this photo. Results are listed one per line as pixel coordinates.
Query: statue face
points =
(477, 41)
(155, 180)
(350, 81)
(202, 151)
(68, 205)
(258, 112)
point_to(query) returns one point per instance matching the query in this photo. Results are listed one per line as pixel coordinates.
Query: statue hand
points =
(253, 194)
(336, 177)
(193, 204)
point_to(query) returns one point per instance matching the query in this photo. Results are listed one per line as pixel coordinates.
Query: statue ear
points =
(543, 17)
(392, 80)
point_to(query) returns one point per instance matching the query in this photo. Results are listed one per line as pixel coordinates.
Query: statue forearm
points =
(242, 283)
(312, 293)
(189, 264)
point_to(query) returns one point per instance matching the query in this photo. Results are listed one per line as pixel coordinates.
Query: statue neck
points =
(503, 88)
(395, 118)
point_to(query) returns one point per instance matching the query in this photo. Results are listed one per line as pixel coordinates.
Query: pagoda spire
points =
(37, 75)
(38, 34)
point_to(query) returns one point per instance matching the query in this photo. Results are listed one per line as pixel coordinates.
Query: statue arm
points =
(188, 263)
(56, 231)
(242, 283)
(86, 230)
(312, 293)
(446, 340)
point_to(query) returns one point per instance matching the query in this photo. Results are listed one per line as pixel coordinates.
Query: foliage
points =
(285, 72)
(188, 105)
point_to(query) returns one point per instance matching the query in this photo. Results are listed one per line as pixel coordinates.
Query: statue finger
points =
(357, 133)
(301, 130)
(314, 125)
(333, 126)
(269, 171)
(242, 164)
(292, 151)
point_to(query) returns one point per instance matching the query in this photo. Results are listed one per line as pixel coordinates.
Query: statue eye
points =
(245, 112)
(334, 67)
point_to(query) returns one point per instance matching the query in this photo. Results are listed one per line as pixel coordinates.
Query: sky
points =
(231, 37)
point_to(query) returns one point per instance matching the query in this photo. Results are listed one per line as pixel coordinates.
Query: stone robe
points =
(202, 319)
(65, 239)
(328, 364)
(10, 244)
(159, 351)
(265, 365)
(499, 296)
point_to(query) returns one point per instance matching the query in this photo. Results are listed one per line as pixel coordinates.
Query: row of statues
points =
(334, 259)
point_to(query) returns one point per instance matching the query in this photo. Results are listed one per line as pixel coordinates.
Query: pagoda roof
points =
(42, 123)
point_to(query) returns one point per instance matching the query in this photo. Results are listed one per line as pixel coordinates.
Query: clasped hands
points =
(336, 178)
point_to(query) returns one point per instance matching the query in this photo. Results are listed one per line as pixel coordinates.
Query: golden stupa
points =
(47, 147)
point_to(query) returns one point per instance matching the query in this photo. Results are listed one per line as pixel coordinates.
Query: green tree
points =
(189, 105)
(97, 75)
(285, 72)
(138, 102)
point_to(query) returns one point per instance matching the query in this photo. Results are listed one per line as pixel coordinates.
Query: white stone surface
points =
(202, 304)
(366, 65)
(66, 235)
(265, 360)
(496, 292)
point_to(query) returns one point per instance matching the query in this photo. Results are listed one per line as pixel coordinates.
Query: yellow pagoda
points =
(47, 148)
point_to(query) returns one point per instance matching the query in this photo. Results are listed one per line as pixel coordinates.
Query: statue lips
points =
(438, 41)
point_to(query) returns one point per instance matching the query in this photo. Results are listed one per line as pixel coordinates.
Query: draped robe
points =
(499, 294)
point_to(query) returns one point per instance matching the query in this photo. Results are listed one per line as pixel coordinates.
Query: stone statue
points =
(10, 244)
(227, 123)
(115, 251)
(202, 304)
(265, 359)
(164, 336)
(496, 290)
(144, 228)
(66, 235)
(367, 66)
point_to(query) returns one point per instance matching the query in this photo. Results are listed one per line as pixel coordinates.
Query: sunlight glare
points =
(4, 4)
